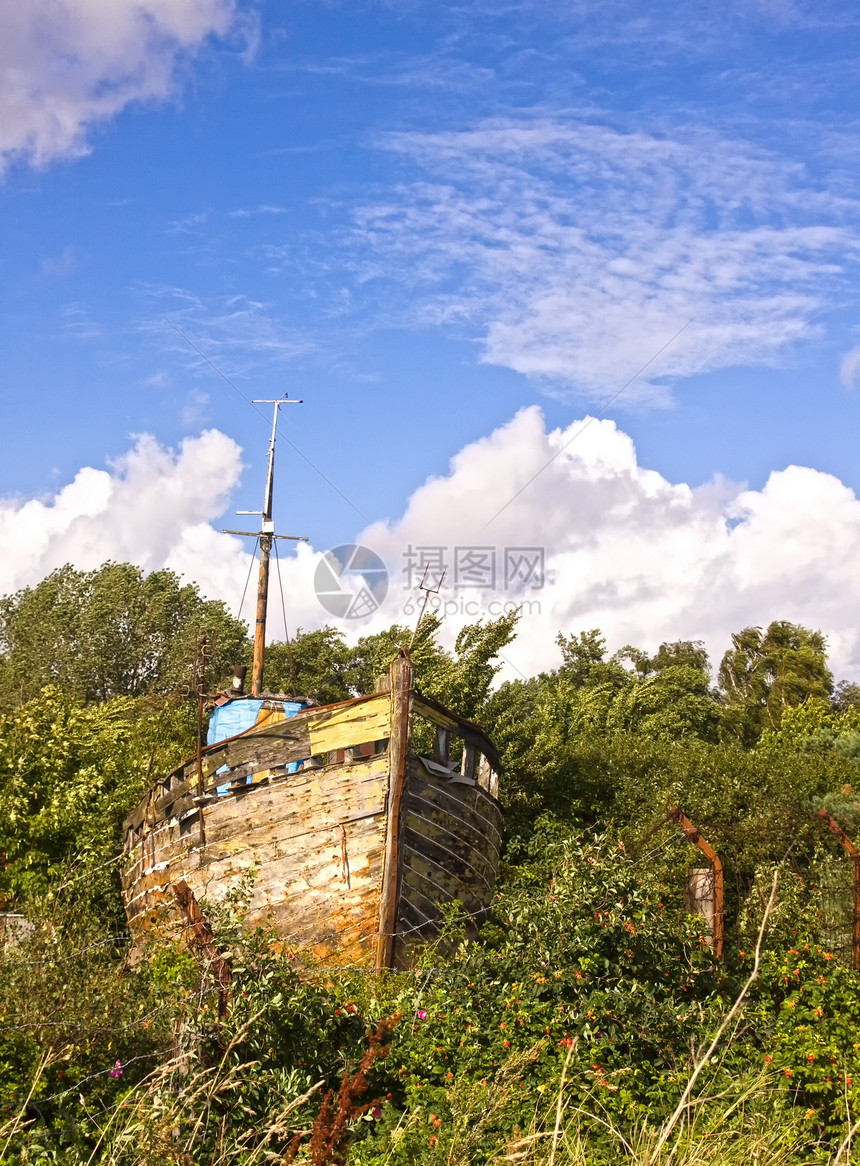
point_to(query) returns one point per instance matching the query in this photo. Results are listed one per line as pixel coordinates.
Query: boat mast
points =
(266, 536)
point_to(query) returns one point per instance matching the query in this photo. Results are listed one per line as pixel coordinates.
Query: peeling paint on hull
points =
(352, 855)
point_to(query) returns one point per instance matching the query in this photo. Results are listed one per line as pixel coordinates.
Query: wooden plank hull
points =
(452, 836)
(350, 859)
(312, 844)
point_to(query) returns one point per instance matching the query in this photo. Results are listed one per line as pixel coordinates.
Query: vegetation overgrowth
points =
(587, 1022)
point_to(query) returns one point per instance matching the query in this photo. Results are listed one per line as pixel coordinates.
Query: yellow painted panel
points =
(353, 725)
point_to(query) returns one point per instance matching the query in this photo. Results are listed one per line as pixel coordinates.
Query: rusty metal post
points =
(696, 838)
(260, 626)
(200, 939)
(850, 849)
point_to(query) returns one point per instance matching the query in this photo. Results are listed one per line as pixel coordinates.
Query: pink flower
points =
(421, 1014)
(116, 1071)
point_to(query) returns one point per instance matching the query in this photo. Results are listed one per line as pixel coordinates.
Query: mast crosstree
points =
(266, 536)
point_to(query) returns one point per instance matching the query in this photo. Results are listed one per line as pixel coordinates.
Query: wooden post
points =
(200, 668)
(696, 838)
(468, 764)
(260, 625)
(398, 748)
(442, 745)
(852, 850)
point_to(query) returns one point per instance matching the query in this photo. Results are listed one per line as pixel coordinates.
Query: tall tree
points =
(764, 673)
(314, 664)
(111, 632)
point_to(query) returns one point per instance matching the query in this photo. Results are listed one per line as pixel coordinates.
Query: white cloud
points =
(577, 250)
(629, 552)
(849, 369)
(149, 508)
(235, 329)
(626, 550)
(67, 65)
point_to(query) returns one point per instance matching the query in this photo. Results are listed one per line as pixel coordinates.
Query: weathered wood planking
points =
(450, 850)
(272, 746)
(316, 840)
(352, 860)
(437, 714)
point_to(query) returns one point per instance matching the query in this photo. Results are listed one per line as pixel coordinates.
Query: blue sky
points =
(422, 218)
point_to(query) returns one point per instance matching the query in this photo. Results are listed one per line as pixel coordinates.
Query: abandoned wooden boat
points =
(360, 820)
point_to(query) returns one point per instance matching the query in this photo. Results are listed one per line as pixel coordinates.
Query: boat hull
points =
(351, 860)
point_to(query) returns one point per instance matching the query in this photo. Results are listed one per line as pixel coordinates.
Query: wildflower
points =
(768, 1058)
(810, 1057)
(421, 1014)
(116, 1071)
(376, 1111)
(432, 1141)
(788, 1072)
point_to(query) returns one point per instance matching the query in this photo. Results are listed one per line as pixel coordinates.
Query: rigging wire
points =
(286, 629)
(280, 432)
(248, 580)
(585, 424)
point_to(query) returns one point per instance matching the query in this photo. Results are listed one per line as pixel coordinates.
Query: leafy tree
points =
(111, 632)
(689, 653)
(584, 661)
(315, 664)
(372, 655)
(465, 685)
(764, 673)
(322, 665)
(673, 702)
(69, 773)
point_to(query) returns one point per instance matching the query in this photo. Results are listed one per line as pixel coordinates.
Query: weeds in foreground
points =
(333, 1127)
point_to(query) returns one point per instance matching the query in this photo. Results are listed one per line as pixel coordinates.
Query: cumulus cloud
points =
(590, 539)
(628, 551)
(66, 65)
(152, 507)
(577, 249)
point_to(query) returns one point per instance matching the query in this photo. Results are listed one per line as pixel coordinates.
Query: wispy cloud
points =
(241, 332)
(248, 212)
(61, 265)
(849, 369)
(575, 249)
